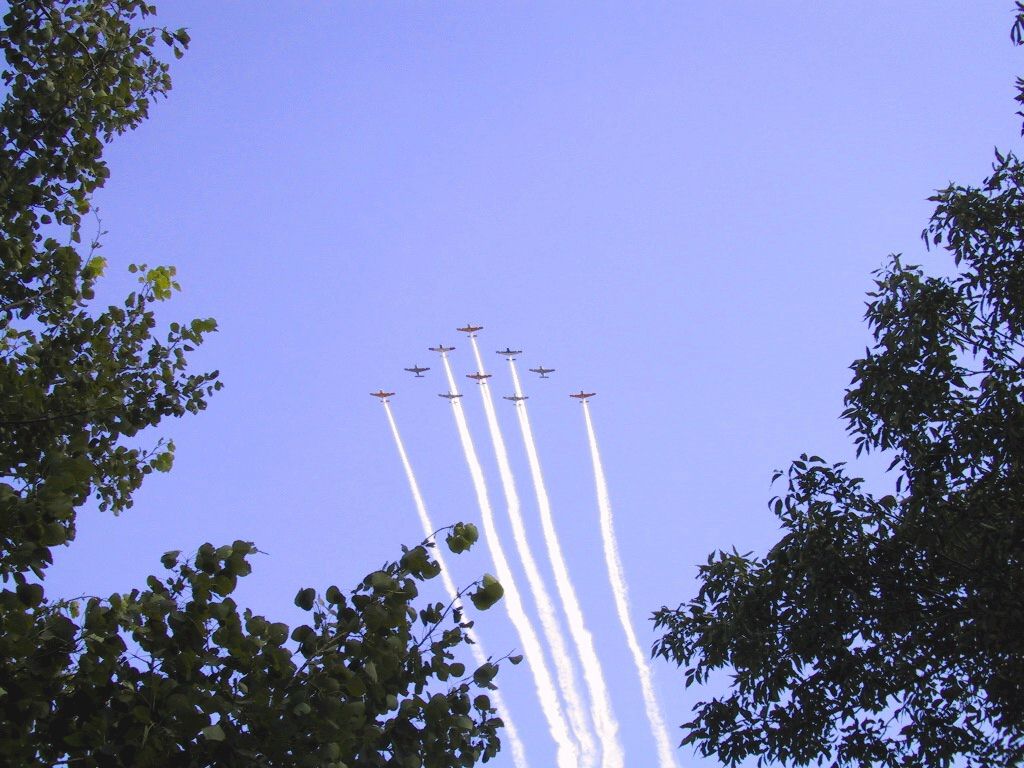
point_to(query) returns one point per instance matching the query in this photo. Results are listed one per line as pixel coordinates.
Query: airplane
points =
(382, 395)
(417, 370)
(509, 352)
(582, 396)
(478, 376)
(516, 398)
(449, 395)
(441, 348)
(542, 371)
(470, 329)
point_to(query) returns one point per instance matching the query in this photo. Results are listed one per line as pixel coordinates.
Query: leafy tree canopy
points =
(889, 630)
(175, 674)
(77, 383)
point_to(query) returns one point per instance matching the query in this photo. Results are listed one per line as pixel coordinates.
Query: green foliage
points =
(175, 674)
(178, 675)
(488, 594)
(77, 383)
(462, 537)
(890, 630)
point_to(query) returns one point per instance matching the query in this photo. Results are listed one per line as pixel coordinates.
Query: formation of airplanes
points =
(479, 376)
(581, 395)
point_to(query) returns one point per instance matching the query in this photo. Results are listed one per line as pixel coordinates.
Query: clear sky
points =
(676, 205)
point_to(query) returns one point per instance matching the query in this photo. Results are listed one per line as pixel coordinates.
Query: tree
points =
(176, 673)
(889, 629)
(75, 383)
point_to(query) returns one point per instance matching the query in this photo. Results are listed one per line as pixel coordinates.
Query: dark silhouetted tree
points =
(889, 630)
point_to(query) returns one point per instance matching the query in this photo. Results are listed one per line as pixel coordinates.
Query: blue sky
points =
(677, 205)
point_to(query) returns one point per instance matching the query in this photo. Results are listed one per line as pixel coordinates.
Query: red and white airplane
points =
(582, 396)
(449, 395)
(382, 395)
(417, 370)
(542, 371)
(481, 377)
(470, 329)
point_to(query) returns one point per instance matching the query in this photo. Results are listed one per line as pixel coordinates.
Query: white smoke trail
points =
(518, 753)
(567, 753)
(545, 607)
(618, 583)
(601, 707)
